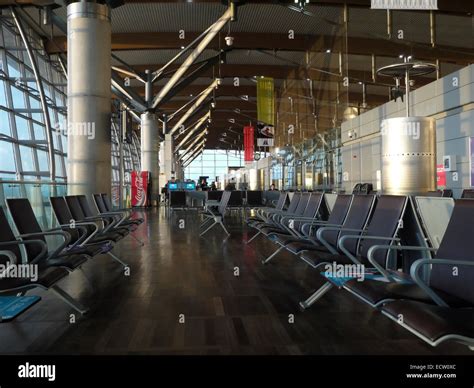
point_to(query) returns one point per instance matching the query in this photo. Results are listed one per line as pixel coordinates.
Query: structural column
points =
(89, 98)
(169, 157)
(150, 149)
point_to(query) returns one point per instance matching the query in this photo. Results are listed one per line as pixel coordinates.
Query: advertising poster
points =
(265, 112)
(440, 176)
(140, 188)
(249, 144)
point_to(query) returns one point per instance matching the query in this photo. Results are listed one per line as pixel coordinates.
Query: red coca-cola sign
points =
(140, 180)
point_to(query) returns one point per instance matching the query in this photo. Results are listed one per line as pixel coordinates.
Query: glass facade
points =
(213, 163)
(24, 151)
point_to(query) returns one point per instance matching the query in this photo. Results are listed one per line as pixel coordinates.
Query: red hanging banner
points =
(249, 146)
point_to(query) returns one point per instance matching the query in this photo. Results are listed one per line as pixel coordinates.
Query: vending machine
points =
(141, 188)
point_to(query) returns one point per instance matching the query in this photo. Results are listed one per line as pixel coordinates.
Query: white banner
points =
(265, 142)
(405, 4)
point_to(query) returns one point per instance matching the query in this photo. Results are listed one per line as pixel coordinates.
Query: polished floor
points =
(182, 297)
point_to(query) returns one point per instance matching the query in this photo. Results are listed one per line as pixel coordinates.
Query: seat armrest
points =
(322, 240)
(383, 271)
(415, 274)
(66, 239)
(39, 256)
(343, 239)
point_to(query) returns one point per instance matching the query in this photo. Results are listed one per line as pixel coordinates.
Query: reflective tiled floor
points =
(182, 297)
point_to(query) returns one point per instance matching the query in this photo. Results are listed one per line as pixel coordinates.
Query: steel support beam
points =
(196, 73)
(204, 94)
(189, 148)
(195, 148)
(188, 161)
(216, 27)
(198, 125)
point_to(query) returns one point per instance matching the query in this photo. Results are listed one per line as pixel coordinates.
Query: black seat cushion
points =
(375, 291)
(283, 238)
(47, 277)
(92, 249)
(457, 244)
(70, 261)
(272, 229)
(302, 245)
(103, 237)
(432, 321)
(317, 257)
(262, 225)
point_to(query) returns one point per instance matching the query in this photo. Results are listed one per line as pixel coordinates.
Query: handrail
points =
(31, 182)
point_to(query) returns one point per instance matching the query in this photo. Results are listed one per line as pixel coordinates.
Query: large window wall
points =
(131, 158)
(213, 163)
(23, 139)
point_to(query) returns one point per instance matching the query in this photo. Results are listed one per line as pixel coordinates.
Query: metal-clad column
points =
(150, 142)
(89, 98)
(150, 149)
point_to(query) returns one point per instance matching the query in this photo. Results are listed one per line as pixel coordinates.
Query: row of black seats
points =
(363, 231)
(448, 193)
(85, 234)
(237, 198)
(217, 205)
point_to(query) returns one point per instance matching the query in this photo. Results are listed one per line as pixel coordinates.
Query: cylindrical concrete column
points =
(89, 94)
(408, 155)
(150, 149)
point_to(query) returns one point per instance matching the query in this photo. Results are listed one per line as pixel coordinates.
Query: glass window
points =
(3, 97)
(18, 98)
(38, 117)
(9, 38)
(7, 161)
(13, 68)
(22, 128)
(4, 123)
(35, 103)
(39, 132)
(43, 160)
(59, 165)
(27, 158)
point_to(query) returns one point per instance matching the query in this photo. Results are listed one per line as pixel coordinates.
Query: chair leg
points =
(116, 258)
(205, 222)
(316, 296)
(273, 255)
(137, 239)
(253, 237)
(223, 227)
(69, 300)
(208, 229)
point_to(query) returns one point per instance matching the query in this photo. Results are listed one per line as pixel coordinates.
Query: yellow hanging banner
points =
(266, 100)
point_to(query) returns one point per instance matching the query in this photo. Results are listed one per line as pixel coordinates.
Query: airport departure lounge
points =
(186, 180)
